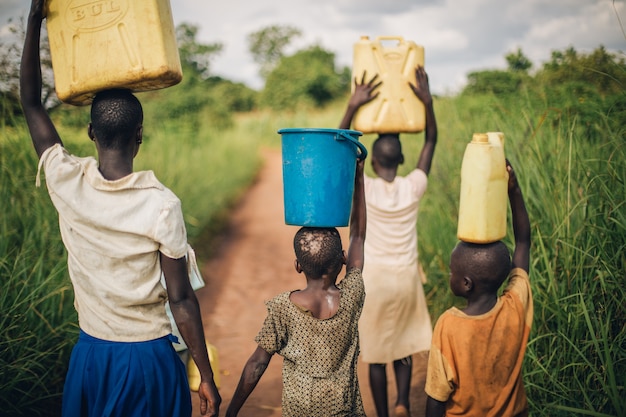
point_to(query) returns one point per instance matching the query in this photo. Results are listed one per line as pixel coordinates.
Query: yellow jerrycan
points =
(99, 45)
(484, 190)
(193, 374)
(396, 109)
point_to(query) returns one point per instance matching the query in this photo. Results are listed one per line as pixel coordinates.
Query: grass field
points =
(573, 183)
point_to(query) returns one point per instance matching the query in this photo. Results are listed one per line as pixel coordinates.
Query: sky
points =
(458, 36)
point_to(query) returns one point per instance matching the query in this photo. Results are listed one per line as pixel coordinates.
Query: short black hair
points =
(487, 264)
(318, 250)
(388, 150)
(115, 116)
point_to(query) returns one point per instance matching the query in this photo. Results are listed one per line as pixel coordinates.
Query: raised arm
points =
(363, 93)
(252, 372)
(358, 221)
(422, 90)
(186, 312)
(521, 223)
(42, 131)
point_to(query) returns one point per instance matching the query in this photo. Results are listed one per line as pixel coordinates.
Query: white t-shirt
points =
(392, 216)
(113, 232)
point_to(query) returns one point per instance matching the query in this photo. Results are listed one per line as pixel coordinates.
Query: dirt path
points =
(254, 262)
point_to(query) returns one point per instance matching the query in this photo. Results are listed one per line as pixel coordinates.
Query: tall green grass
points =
(37, 320)
(575, 194)
(573, 183)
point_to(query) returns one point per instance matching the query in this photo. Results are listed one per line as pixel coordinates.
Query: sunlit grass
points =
(575, 191)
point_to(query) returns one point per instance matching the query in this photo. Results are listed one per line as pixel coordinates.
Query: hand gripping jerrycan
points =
(484, 190)
(318, 175)
(396, 109)
(102, 44)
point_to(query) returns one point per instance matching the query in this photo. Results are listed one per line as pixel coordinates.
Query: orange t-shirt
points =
(475, 362)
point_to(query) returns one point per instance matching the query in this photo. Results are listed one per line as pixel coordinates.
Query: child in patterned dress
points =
(316, 329)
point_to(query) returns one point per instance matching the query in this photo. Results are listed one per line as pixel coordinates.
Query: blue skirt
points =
(125, 379)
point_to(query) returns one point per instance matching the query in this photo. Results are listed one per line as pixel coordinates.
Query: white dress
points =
(395, 322)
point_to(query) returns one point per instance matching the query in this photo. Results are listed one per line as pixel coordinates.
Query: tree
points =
(10, 56)
(600, 68)
(493, 82)
(267, 46)
(518, 61)
(307, 77)
(194, 55)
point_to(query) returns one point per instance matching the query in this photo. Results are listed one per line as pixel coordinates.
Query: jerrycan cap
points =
(480, 138)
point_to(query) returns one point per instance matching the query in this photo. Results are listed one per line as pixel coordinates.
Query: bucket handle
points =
(363, 151)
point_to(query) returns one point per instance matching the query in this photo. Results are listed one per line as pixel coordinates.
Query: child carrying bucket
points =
(395, 323)
(316, 329)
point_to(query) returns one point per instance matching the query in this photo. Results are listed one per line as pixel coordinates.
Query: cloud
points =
(459, 36)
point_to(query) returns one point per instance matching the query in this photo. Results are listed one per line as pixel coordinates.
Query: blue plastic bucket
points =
(318, 175)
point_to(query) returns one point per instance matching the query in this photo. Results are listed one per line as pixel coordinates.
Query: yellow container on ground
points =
(193, 374)
(396, 109)
(99, 45)
(484, 190)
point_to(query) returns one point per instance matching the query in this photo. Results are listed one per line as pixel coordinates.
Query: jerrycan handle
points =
(345, 135)
(400, 39)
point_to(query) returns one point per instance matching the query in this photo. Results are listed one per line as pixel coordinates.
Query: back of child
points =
(475, 362)
(315, 329)
(395, 323)
(122, 229)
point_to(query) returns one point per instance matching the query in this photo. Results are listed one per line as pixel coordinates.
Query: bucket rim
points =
(319, 130)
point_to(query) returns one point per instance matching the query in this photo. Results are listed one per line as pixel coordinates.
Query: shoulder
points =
(519, 281)
(57, 155)
(354, 277)
(519, 284)
(278, 302)
(417, 176)
(443, 323)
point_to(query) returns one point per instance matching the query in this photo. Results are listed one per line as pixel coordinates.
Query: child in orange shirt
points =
(475, 362)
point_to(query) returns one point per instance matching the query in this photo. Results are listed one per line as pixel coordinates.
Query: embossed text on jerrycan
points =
(396, 109)
(483, 204)
(102, 44)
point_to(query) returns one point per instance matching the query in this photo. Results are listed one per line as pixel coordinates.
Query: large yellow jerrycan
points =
(484, 190)
(396, 109)
(193, 374)
(102, 44)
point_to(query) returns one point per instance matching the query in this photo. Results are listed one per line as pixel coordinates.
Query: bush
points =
(308, 78)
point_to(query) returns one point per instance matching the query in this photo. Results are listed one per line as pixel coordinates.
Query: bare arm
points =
(186, 312)
(363, 93)
(42, 131)
(252, 373)
(422, 90)
(358, 221)
(521, 223)
(435, 408)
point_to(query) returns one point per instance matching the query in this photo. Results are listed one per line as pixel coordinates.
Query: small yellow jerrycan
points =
(102, 44)
(396, 109)
(484, 190)
(193, 374)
